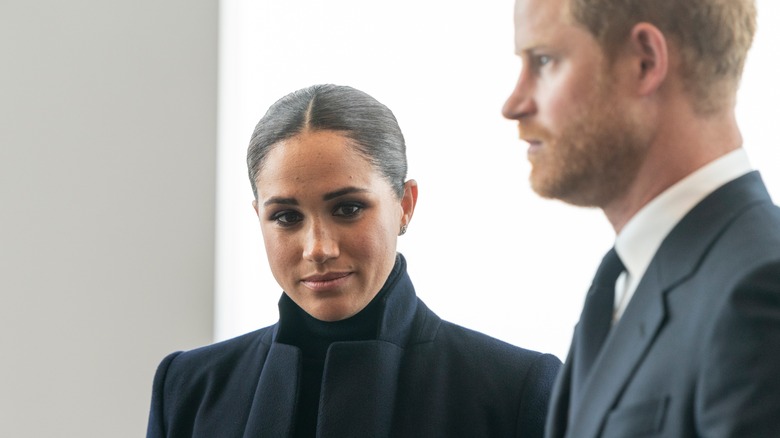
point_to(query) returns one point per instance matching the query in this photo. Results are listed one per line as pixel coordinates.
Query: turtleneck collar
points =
(300, 329)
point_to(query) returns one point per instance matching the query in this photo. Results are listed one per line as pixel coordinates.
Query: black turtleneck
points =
(313, 337)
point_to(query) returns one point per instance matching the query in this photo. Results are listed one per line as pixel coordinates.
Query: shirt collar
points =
(641, 237)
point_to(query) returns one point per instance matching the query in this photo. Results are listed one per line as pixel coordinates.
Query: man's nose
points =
(520, 103)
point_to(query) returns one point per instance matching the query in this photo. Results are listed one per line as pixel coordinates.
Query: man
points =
(628, 105)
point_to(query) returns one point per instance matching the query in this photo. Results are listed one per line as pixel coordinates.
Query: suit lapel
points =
(623, 349)
(676, 260)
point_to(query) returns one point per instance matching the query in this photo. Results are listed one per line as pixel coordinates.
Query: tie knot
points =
(609, 270)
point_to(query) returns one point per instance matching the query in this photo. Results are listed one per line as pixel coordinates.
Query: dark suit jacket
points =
(697, 352)
(422, 377)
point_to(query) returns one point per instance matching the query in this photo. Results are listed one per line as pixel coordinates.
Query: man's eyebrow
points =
(532, 48)
(280, 200)
(342, 192)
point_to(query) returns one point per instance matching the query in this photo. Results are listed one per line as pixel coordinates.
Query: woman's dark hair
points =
(370, 125)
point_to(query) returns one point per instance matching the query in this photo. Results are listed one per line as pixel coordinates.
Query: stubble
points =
(595, 157)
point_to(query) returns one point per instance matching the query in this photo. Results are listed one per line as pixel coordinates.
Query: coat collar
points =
(359, 377)
(677, 259)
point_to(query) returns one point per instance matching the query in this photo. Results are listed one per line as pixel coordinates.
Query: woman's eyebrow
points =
(341, 192)
(280, 200)
(326, 197)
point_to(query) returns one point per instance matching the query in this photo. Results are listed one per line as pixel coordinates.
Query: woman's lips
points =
(326, 281)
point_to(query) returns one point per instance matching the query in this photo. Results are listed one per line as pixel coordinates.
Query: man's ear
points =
(650, 52)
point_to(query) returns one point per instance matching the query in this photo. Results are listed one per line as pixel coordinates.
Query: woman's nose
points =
(320, 244)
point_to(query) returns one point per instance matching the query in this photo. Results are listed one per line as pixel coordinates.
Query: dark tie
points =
(596, 319)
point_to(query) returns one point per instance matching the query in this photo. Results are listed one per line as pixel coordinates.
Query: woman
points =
(355, 353)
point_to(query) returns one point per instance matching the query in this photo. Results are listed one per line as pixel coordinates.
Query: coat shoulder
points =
(509, 384)
(469, 340)
(225, 353)
(224, 361)
(214, 374)
(491, 356)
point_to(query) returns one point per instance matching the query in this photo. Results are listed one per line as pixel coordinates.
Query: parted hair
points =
(370, 125)
(712, 36)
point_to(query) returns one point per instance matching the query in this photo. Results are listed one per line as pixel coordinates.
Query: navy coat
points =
(697, 351)
(421, 377)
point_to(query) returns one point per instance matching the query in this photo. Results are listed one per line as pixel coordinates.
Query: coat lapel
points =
(360, 379)
(558, 415)
(360, 385)
(274, 402)
(676, 260)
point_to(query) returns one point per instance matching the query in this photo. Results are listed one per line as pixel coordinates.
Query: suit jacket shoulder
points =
(697, 350)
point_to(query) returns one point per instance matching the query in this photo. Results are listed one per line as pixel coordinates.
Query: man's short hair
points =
(712, 36)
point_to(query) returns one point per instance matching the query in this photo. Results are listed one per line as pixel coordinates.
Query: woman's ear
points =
(254, 205)
(649, 52)
(408, 201)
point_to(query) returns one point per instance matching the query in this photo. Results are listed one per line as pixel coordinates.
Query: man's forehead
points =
(540, 10)
(537, 21)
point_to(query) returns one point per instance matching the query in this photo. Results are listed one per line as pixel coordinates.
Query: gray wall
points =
(107, 185)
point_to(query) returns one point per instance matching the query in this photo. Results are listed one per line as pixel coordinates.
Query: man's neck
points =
(685, 143)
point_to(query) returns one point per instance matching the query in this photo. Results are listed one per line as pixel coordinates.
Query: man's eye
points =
(348, 210)
(542, 60)
(286, 218)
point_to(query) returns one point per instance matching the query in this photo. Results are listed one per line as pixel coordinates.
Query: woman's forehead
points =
(316, 162)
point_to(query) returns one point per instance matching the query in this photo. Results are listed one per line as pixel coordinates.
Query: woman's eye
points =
(286, 218)
(348, 210)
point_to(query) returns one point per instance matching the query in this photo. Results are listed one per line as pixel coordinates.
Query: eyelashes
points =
(342, 211)
(286, 218)
(348, 209)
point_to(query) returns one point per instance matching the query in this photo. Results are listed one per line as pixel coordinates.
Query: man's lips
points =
(533, 144)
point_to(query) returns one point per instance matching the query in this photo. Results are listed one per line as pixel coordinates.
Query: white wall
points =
(483, 250)
(107, 166)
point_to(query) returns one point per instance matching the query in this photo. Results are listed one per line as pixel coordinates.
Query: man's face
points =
(585, 144)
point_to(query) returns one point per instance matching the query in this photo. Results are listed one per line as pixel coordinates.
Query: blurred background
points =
(126, 227)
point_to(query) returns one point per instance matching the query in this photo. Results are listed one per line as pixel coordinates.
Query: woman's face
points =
(330, 223)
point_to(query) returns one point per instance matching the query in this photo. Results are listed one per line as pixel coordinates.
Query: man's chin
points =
(558, 190)
(542, 186)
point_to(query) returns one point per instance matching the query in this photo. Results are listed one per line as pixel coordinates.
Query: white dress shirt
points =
(641, 237)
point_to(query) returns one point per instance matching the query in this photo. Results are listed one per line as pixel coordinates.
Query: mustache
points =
(531, 131)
